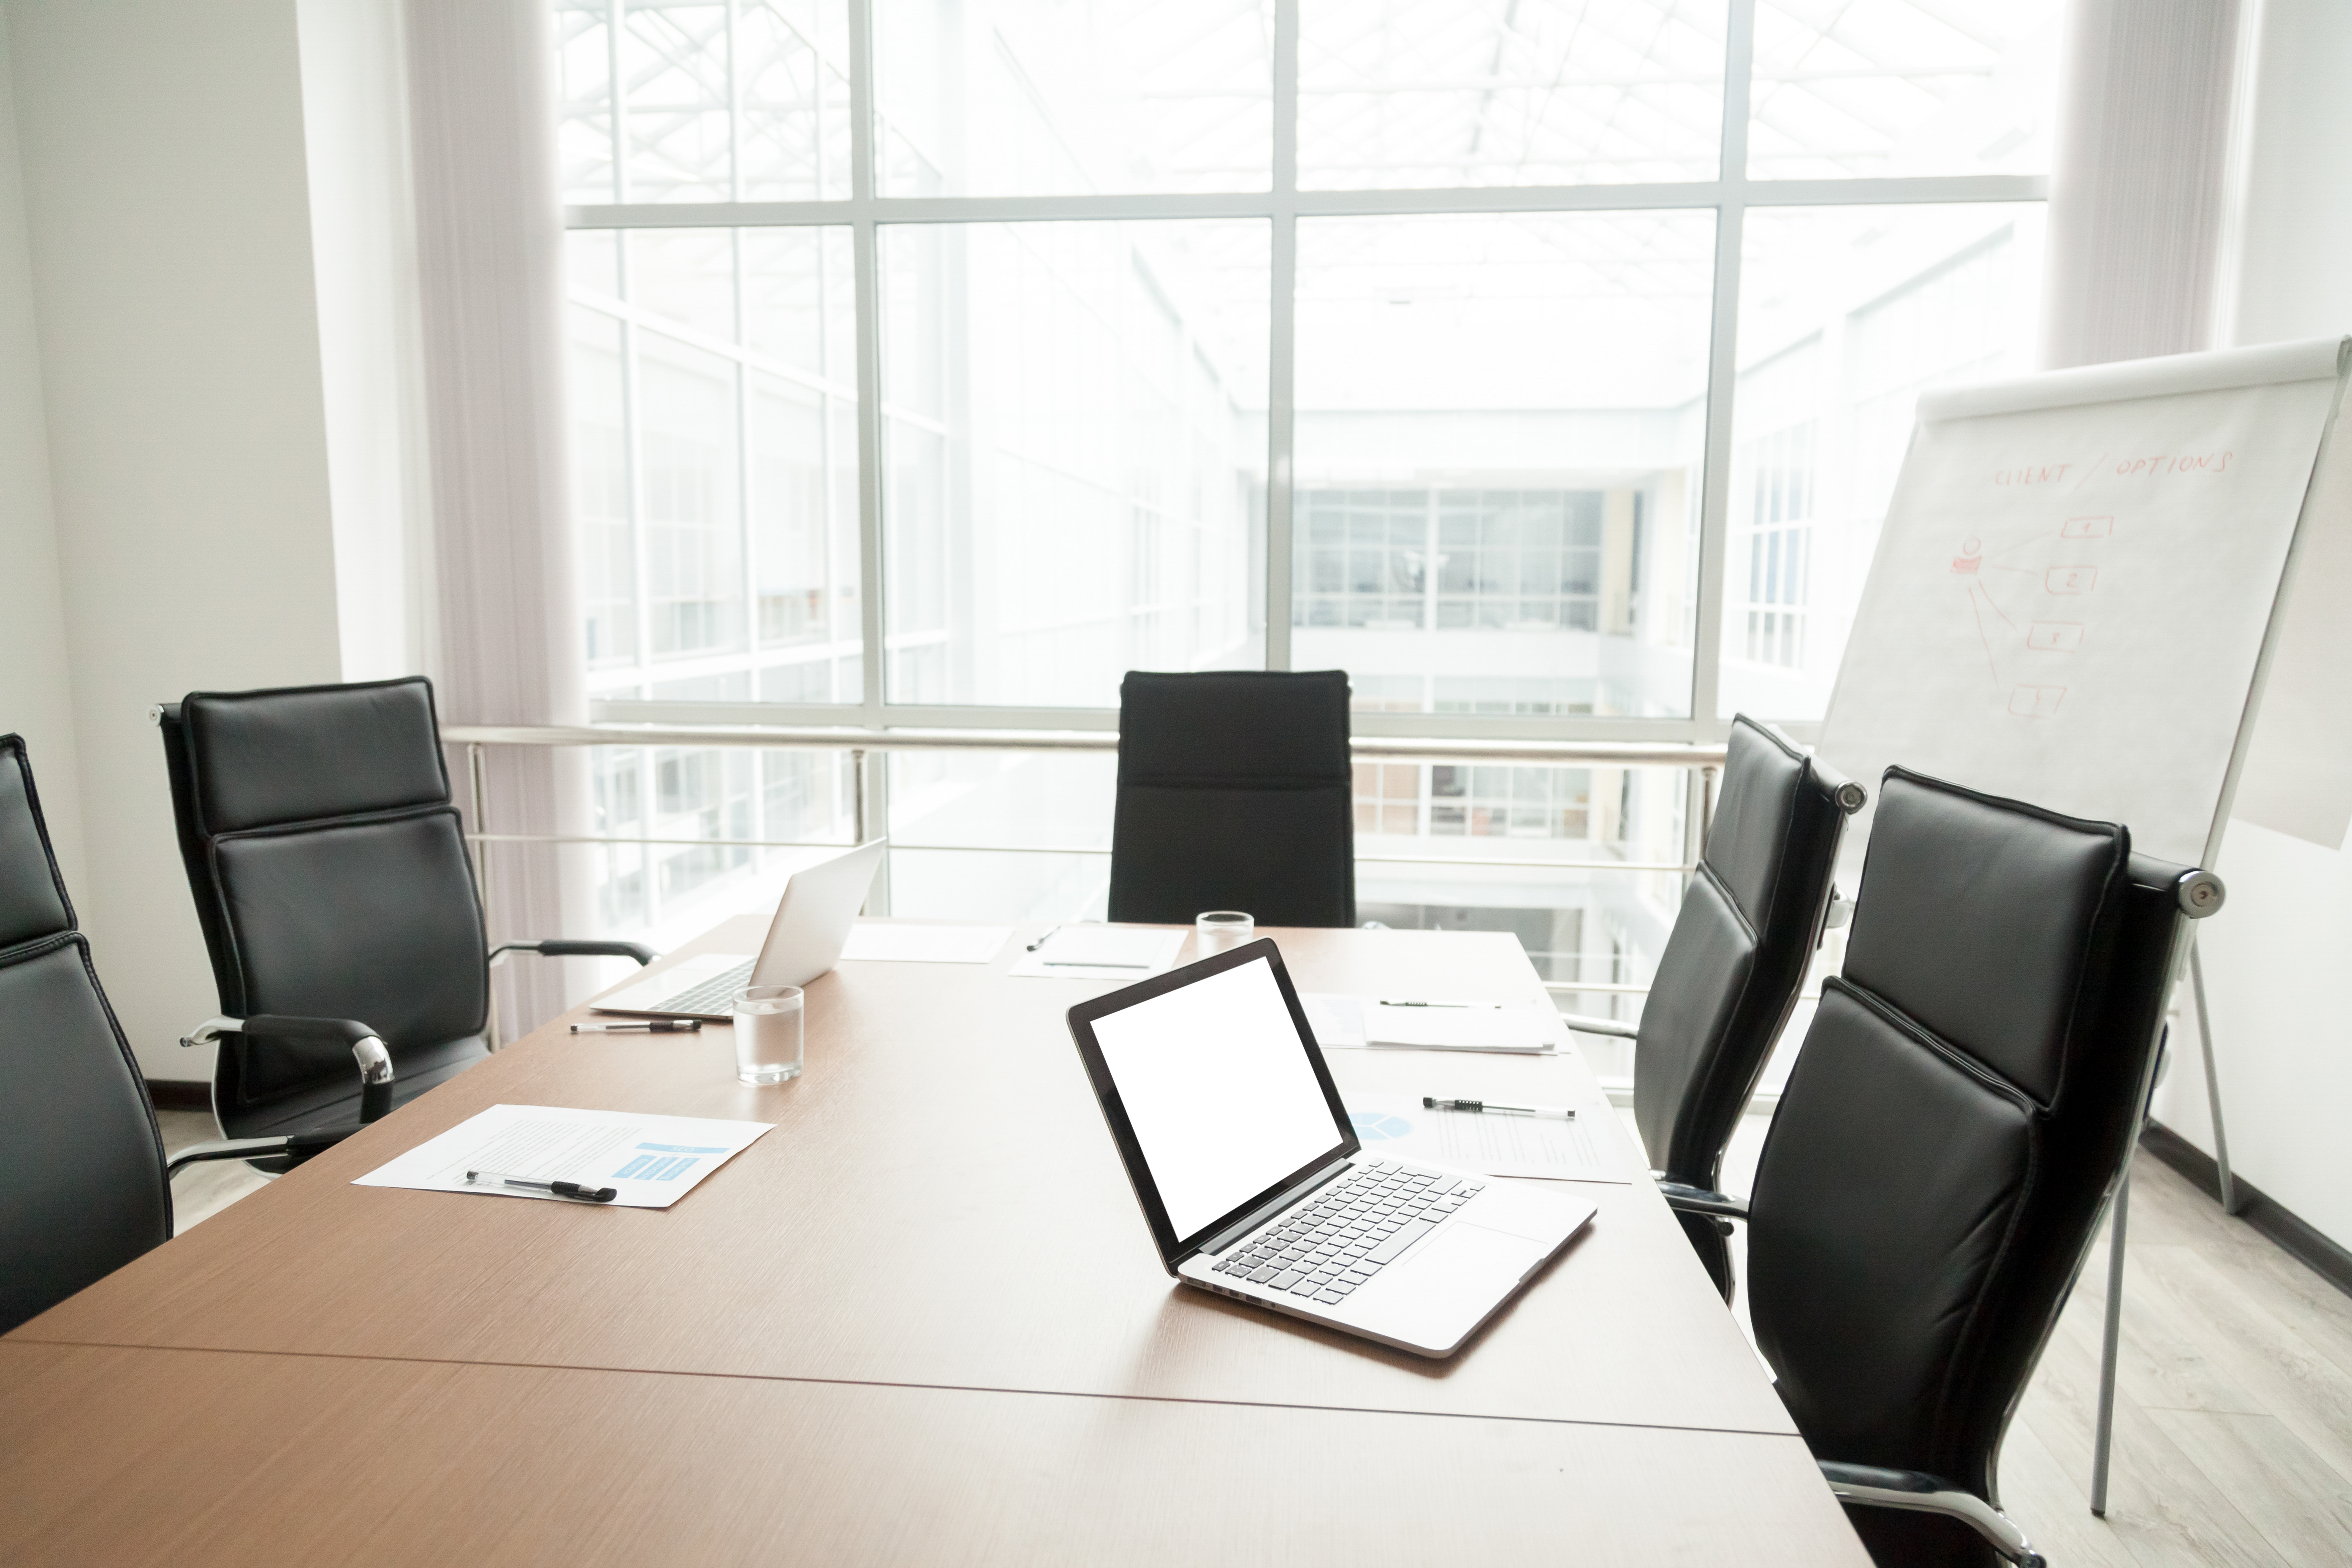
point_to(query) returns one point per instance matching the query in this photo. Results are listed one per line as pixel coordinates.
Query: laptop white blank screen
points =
(1217, 1086)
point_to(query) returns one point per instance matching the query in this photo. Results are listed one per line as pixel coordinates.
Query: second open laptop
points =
(813, 922)
(1256, 1187)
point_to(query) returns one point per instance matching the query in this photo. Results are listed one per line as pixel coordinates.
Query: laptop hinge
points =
(1272, 1206)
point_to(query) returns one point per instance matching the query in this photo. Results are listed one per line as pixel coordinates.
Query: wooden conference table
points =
(921, 1321)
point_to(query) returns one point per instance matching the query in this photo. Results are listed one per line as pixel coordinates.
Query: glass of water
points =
(768, 1034)
(1220, 930)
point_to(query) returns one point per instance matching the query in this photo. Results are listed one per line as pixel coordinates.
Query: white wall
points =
(35, 698)
(2274, 956)
(363, 234)
(168, 206)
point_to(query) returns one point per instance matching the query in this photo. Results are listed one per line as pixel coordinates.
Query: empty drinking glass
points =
(768, 1034)
(1220, 930)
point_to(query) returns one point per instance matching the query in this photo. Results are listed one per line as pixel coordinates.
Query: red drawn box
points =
(2036, 702)
(2054, 636)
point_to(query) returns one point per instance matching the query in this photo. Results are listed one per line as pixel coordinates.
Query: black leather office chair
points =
(1960, 1115)
(1728, 978)
(337, 900)
(82, 1190)
(1235, 792)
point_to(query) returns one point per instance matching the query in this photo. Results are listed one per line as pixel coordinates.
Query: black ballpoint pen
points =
(572, 1189)
(652, 1026)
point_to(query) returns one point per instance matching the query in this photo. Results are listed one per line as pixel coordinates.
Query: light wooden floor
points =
(2234, 1402)
(2233, 1408)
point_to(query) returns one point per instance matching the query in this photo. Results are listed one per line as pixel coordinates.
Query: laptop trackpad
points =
(1445, 1288)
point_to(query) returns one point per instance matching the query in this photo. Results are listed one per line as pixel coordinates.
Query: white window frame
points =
(1729, 197)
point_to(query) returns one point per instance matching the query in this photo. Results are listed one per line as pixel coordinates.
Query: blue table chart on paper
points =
(662, 1162)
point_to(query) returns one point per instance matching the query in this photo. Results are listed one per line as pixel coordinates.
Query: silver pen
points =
(1433, 1103)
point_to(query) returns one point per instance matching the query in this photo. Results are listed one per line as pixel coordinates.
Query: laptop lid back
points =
(1215, 1091)
(814, 916)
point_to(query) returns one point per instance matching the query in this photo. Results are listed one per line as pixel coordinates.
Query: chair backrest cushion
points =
(306, 753)
(33, 902)
(330, 871)
(1235, 792)
(1727, 980)
(81, 1163)
(1952, 1128)
(2028, 891)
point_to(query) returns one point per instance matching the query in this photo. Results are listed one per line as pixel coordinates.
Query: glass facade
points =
(1467, 347)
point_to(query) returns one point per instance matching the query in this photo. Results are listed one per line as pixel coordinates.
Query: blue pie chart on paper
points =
(1373, 1126)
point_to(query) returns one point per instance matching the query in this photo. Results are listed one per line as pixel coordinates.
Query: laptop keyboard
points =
(715, 994)
(1327, 1247)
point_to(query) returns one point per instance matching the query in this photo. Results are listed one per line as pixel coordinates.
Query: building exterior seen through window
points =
(1395, 336)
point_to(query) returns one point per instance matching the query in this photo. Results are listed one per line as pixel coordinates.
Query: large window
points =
(1545, 365)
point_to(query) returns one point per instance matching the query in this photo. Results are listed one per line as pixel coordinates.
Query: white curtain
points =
(489, 241)
(2137, 196)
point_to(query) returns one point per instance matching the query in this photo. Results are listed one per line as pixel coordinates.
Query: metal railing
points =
(1703, 763)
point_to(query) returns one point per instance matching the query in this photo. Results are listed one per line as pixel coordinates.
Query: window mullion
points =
(1282, 318)
(1722, 368)
(865, 263)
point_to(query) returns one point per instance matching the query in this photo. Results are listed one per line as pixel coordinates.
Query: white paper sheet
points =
(1102, 953)
(654, 1160)
(1337, 1022)
(1435, 1025)
(926, 944)
(1589, 1149)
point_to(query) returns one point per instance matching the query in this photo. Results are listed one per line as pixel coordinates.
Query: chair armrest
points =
(557, 948)
(1919, 1493)
(1687, 1199)
(375, 1062)
(1585, 1025)
(299, 1144)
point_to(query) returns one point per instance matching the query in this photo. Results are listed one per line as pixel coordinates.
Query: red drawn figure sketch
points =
(1971, 559)
(2071, 579)
(2087, 527)
(2036, 702)
(2054, 636)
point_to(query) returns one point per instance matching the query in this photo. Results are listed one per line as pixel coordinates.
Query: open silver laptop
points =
(1256, 1187)
(813, 922)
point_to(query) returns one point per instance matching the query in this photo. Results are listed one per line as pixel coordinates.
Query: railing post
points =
(477, 785)
(479, 789)
(1698, 804)
(857, 794)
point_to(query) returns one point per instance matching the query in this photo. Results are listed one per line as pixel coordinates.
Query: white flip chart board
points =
(2075, 587)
